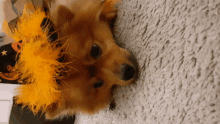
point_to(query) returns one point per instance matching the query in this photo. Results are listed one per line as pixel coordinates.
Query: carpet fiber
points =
(177, 44)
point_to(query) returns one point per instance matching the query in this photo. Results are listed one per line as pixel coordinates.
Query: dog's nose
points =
(127, 72)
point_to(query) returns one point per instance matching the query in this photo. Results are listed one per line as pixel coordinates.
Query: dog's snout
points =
(127, 72)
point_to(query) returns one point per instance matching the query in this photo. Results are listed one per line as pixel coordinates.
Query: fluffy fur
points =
(37, 66)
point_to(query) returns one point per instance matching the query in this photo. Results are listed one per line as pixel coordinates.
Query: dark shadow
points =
(25, 116)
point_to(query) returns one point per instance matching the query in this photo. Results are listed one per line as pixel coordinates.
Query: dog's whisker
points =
(73, 68)
(64, 83)
(71, 54)
(58, 39)
(66, 44)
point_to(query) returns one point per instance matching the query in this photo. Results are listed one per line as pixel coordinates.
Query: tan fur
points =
(80, 24)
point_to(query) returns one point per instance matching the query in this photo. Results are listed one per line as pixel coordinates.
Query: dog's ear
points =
(62, 16)
(109, 12)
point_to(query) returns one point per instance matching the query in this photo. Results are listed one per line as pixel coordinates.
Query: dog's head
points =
(96, 62)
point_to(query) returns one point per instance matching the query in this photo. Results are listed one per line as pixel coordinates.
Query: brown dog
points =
(97, 63)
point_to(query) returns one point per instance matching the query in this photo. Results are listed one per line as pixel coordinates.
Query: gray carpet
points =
(177, 44)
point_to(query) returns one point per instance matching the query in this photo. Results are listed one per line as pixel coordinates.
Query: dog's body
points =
(97, 64)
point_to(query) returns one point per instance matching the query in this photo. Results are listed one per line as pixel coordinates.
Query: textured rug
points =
(177, 44)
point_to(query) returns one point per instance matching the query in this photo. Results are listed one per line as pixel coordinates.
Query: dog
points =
(96, 62)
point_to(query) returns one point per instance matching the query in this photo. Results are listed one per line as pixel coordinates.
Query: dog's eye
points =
(98, 84)
(95, 51)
